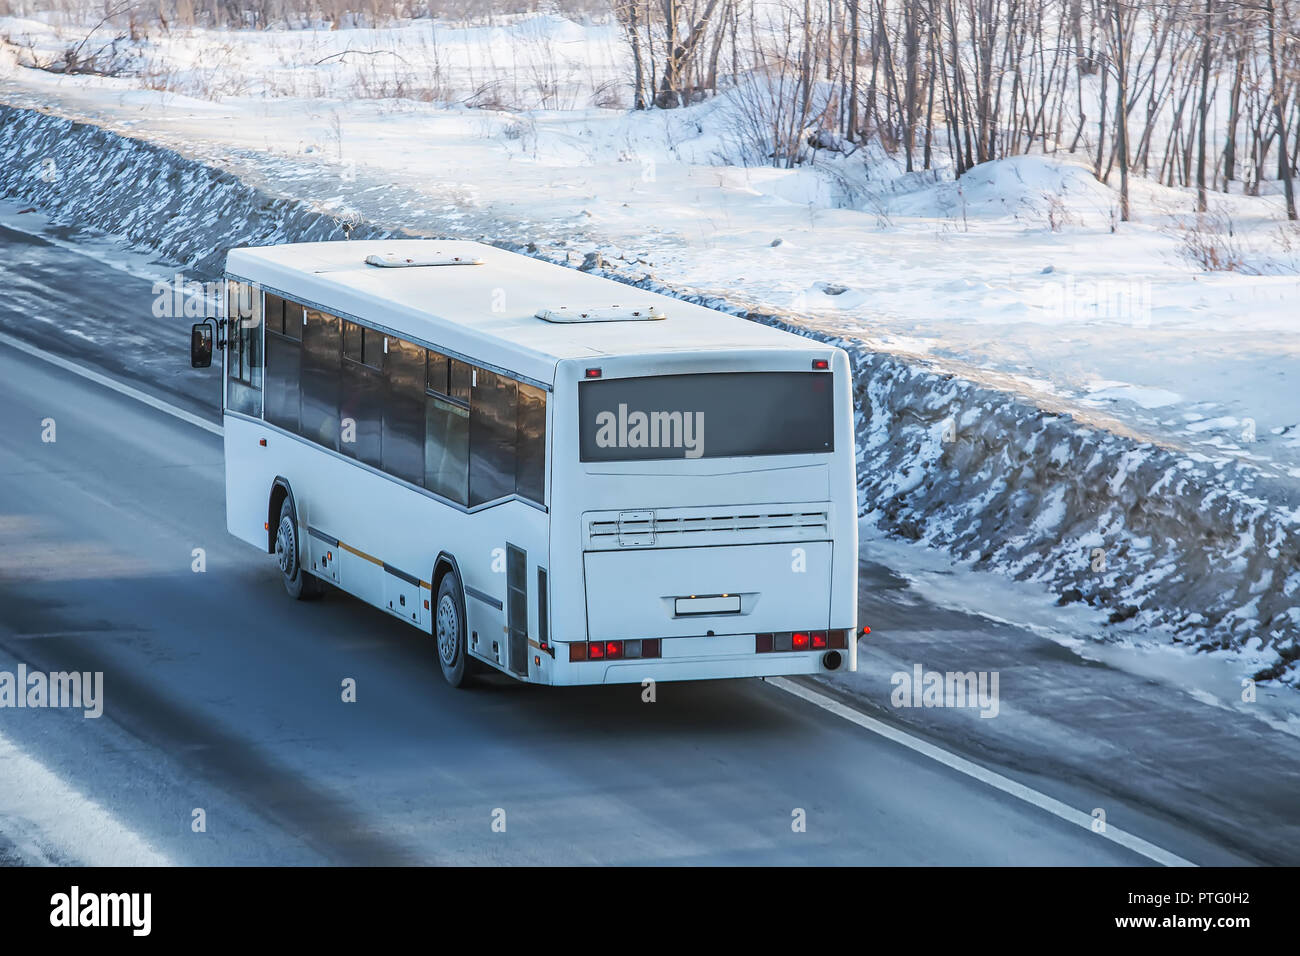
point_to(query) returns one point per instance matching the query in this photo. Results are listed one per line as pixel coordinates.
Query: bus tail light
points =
(821, 365)
(800, 641)
(614, 650)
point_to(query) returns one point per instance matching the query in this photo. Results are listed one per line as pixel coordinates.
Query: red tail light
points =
(614, 650)
(783, 641)
(821, 365)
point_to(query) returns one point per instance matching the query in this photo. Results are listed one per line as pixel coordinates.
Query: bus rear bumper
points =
(697, 668)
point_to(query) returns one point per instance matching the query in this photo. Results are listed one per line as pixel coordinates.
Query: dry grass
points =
(1209, 240)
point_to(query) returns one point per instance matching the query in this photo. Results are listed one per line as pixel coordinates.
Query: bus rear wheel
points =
(298, 583)
(449, 632)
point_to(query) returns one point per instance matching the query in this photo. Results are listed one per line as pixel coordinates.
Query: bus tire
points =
(298, 583)
(449, 632)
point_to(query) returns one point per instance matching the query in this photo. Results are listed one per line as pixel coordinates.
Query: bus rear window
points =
(711, 415)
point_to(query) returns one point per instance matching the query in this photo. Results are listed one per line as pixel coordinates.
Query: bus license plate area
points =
(709, 604)
(769, 587)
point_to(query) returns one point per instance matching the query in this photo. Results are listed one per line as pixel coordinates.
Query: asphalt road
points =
(222, 694)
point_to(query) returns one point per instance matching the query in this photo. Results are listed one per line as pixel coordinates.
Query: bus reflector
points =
(821, 365)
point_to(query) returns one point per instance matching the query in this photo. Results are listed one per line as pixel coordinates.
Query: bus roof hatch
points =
(608, 313)
(391, 260)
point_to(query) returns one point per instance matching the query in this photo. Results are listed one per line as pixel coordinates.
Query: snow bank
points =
(1209, 548)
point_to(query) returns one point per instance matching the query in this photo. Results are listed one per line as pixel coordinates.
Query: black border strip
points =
(399, 573)
(321, 535)
(485, 598)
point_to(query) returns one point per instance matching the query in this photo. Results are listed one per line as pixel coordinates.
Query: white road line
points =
(960, 764)
(100, 379)
(982, 774)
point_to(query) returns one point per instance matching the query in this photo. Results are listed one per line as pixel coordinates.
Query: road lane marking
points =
(101, 379)
(995, 780)
(982, 774)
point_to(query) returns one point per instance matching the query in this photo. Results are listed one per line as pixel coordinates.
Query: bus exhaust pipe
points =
(831, 660)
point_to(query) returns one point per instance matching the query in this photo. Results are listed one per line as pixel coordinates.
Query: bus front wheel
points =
(449, 632)
(298, 583)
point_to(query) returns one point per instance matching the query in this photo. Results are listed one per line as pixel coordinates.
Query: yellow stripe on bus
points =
(373, 560)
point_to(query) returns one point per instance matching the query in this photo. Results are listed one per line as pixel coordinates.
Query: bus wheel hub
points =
(284, 550)
(447, 630)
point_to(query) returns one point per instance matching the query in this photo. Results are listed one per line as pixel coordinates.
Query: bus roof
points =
(489, 311)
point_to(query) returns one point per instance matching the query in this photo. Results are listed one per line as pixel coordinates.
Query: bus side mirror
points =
(201, 345)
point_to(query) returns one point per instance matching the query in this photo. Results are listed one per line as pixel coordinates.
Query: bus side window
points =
(283, 367)
(321, 352)
(507, 439)
(275, 307)
(530, 465)
(244, 355)
(492, 433)
(446, 430)
(402, 445)
(446, 448)
(361, 395)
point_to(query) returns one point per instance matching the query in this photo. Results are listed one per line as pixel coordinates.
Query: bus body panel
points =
(386, 534)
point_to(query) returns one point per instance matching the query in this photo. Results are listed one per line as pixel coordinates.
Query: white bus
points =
(549, 473)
